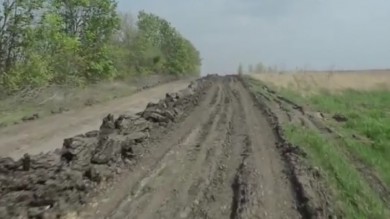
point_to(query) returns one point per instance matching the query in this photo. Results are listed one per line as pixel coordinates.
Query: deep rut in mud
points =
(221, 161)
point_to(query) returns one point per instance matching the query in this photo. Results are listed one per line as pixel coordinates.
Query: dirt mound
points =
(47, 185)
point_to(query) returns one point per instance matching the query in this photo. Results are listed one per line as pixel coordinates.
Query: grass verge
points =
(354, 196)
(368, 116)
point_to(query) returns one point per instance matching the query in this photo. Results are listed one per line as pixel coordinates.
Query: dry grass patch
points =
(335, 81)
(30, 104)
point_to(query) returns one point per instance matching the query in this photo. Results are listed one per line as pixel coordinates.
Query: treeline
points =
(261, 68)
(83, 41)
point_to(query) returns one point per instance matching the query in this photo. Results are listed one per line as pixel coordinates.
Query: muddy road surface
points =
(210, 150)
(220, 162)
(48, 133)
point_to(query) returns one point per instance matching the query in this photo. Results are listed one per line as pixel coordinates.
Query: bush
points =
(56, 42)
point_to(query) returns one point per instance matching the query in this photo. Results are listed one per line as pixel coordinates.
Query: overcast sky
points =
(316, 34)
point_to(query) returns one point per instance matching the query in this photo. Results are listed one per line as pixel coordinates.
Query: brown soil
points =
(211, 150)
(47, 133)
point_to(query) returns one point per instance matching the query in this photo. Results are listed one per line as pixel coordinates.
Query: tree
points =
(61, 50)
(160, 44)
(92, 22)
(122, 45)
(260, 68)
(250, 69)
(83, 41)
(240, 69)
(16, 22)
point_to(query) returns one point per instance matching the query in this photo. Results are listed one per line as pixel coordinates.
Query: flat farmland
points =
(312, 81)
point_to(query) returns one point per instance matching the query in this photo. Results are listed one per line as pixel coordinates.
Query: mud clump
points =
(340, 118)
(51, 184)
(168, 109)
(30, 118)
(59, 110)
(174, 104)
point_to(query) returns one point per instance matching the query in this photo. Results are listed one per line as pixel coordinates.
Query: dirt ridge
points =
(314, 120)
(312, 196)
(47, 185)
(212, 150)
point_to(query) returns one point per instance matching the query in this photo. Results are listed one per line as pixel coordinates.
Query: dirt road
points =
(211, 150)
(48, 133)
(221, 161)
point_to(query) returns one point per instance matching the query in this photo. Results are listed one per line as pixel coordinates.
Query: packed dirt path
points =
(221, 161)
(48, 133)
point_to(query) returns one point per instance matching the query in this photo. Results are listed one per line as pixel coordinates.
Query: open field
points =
(334, 81)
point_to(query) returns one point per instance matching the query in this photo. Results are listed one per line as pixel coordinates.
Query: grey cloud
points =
(289, 33)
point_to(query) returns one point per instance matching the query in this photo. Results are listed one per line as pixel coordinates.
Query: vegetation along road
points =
(106, 116)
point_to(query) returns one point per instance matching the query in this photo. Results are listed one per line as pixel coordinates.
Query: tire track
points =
(202, 164)
(210, 166)
(115, 201)
(198, 179)
(264, 188)
(311, 194)
(176, 165)
(220, 162)
(215, 200)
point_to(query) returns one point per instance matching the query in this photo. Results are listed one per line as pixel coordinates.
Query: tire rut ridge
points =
(204, 197)
(193, 155)
(118, 213)
(310, 196)
(219, 167)
(203, 163)
(205, 130)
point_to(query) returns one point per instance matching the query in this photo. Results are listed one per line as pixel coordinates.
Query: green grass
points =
(9, 116)
(353, 195)
(368, 115)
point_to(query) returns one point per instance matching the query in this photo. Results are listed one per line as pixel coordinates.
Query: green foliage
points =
(92, 23)
(368, 116)
(16, 19)
(83, 41)
(160, 47)
(354, 196)
(34, 71)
